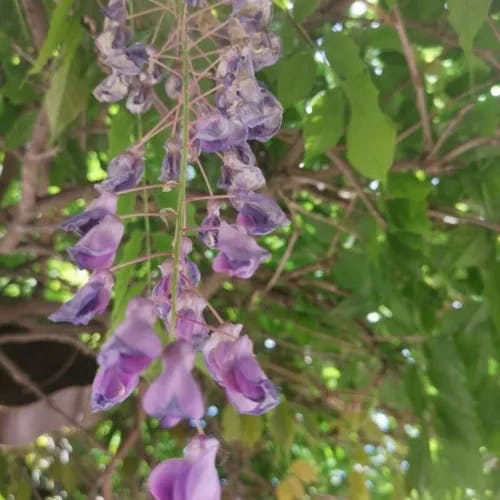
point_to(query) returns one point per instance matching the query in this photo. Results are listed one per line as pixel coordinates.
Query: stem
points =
(139, 260)
(181, 202)
(147, 221)
(147, 214)
(166, 185)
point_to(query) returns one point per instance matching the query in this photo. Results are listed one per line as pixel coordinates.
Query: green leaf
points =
(120, 132)
(58, 30)
(304, 8)
(68, 92)
(457, 421)
(324, 126)
(467, 17)
(371, 139)
(282, 426)
(231, 424)
(371, 136)
(251, 430)
(123, 277)
(21, 130)
(296, 77)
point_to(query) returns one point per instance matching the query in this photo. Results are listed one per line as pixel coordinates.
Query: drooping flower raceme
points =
(237, 109)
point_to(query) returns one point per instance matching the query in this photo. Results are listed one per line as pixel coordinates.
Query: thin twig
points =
(416, 79)
(451, 127)
(345, 168)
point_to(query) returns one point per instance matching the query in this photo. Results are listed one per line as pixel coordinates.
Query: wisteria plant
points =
(215, 110)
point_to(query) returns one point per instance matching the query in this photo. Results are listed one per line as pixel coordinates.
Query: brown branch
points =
(32, 167)
(35, 17)
(471, 144)
(416, 78)
(26, 338)
(451, 127)
(346, 170)
(127, 445)
(284, 259)
(464, 219)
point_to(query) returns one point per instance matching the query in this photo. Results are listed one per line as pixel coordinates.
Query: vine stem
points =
(181, 186)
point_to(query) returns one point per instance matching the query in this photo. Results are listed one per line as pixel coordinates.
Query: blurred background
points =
(379, 314)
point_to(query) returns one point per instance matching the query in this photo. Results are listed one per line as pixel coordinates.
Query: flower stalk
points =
(181, 186)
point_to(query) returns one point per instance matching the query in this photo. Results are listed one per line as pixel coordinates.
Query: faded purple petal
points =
(191, 326)
(218, 133)
(246, 178)
(265, 48)
(129, 61)
(124, 172)
(173, 87)
(140, 99)
(262, 117)
(207, 233)
(91, 300)
(258, 214)
(112, 89)
(239, 254)
(253, 14)
(171, 165)
(113, 38)
(116, 10)
(97, 249)
(93, 214)
(234, 64)
(175, 395)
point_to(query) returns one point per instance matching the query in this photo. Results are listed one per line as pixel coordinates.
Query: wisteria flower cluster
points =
(237, 109)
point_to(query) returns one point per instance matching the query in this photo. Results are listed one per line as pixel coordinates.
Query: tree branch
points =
(416, 79)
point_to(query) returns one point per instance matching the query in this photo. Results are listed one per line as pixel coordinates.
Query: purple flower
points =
(171, 165)
(173, 87)
(124, 172)
(126, 354)
(191, 478)
(239, 254)
(265, 49)
(217, 133)
(191, 326)
(93, 214)
(217, 349)
(237, 174)
(254, 15)
(112, 89)
(111, 386)
(261, 114)
(116, 11)
(129, 61)
(114, 36)
(140, 99)
(233, 365)
(97, 249)
(258, 214)
(234, 64)
(175, 395)
(209, 228)
(91, 300)
(189, 277)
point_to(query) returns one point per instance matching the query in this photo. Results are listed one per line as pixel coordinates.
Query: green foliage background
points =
(379, 314)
